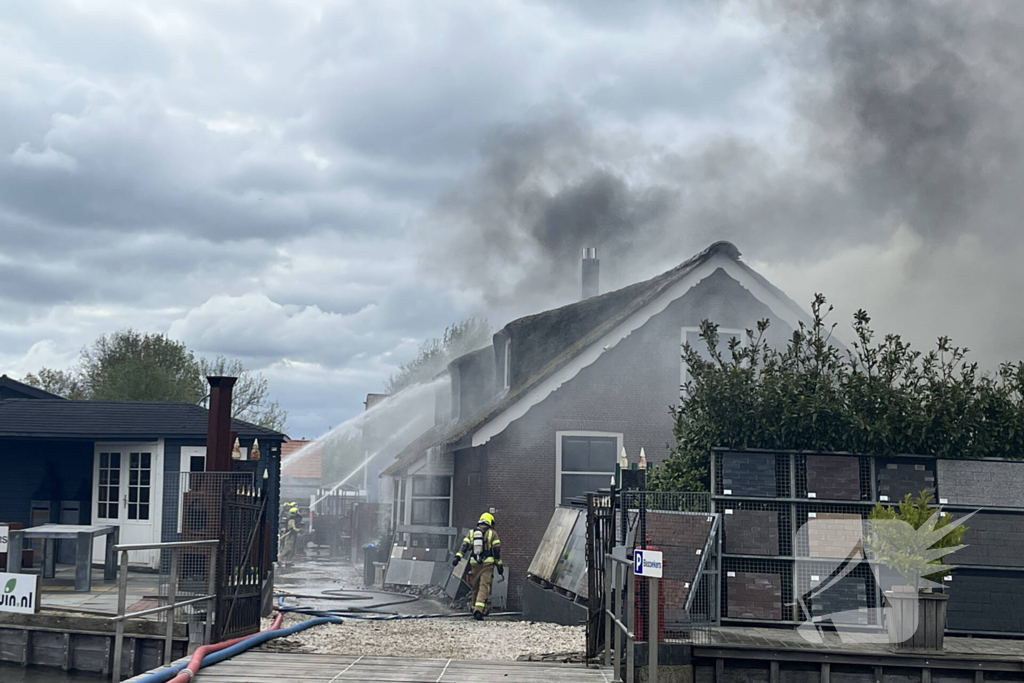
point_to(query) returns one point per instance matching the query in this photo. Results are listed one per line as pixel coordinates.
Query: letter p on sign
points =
(648, 563)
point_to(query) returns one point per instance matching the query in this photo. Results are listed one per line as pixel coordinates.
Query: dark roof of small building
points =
(49, 418)
(25, 390)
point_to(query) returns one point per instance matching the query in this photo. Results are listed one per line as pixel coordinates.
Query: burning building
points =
(538, 417)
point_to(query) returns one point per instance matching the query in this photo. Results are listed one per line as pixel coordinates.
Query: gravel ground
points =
(460, 638)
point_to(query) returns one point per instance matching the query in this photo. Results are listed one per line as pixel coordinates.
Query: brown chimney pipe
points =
(218, 429)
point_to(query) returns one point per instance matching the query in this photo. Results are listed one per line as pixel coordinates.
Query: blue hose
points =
(164, 675)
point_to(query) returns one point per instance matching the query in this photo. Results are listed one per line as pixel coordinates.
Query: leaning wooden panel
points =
(553, 543)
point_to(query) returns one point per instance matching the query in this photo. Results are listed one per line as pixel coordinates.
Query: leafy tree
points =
(64, 383)
(435, 354)
(250, 398)
(878, 397)
(132, 366)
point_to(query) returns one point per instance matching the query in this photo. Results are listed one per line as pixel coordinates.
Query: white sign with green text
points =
(19, 593)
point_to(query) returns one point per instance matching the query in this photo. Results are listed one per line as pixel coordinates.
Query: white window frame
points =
(409, 498)
(558, 457)
(684, 369)
(186, 454)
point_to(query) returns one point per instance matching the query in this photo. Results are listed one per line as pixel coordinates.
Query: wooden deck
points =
(285, 667)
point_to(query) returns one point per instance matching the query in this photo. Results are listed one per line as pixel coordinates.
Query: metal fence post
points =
(617, 587)
(172, 596)
(608, 573)
(652, 628)
(122, 600)
(630, 621)
(212, 592)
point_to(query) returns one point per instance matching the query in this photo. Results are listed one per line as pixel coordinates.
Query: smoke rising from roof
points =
(906, 117)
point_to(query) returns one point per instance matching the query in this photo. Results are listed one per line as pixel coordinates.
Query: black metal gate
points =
(600, 541)
(241, 562)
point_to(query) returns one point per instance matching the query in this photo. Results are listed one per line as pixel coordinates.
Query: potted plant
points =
(907, 544)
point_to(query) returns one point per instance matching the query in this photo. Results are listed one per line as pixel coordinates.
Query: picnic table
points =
(82, 535)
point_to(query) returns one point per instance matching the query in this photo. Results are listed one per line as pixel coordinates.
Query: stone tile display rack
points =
(767, 493)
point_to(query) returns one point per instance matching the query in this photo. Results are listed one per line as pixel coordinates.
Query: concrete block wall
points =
(833, 477)
(754, 595)
(751, 532)
(749, 474)
(979, 482)
(897, 479)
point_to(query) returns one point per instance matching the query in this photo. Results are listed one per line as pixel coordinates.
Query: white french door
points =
(126, 493)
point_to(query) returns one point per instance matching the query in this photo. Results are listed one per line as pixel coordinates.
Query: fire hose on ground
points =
(372, 613)
(208, 655)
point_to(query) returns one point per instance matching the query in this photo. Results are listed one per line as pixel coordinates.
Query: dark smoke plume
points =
(908, 115)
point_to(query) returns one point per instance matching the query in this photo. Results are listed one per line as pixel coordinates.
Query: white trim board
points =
(780, 308)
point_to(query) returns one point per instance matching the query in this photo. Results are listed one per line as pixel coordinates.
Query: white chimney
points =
(591, 273)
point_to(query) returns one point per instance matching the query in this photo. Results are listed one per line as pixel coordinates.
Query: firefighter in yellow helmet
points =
(484, 548)
(290, 540)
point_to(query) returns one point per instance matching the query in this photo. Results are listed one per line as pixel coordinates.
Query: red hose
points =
(189, 672)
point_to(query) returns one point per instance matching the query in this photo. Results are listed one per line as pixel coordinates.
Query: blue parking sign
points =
(648, 563)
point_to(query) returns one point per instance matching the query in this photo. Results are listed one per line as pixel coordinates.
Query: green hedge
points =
(878, 397)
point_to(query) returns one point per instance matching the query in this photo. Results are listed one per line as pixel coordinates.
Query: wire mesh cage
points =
(682, 527)
(192, 512)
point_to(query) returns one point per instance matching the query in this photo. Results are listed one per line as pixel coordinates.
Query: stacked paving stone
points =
(835, 535)
(752, 532)
(833, 477)
(681, 539)
(844, 602)
(986, 602)
(896, 480)
(974, 482)
(754, 595)
(992, 539)
(748, 474)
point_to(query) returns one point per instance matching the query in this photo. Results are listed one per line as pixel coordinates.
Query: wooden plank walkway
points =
(287, 667)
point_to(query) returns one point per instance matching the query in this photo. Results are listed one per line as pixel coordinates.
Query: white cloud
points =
(49, 158)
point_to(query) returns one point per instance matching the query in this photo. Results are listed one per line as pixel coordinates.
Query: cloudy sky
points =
(316, 187)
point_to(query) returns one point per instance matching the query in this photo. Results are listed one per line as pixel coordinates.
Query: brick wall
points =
(835, 535)
(748, 474)
(752, 532)
(896, 480)
(628, 390)
(844, 602)
(833, 477)
(753, 595)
